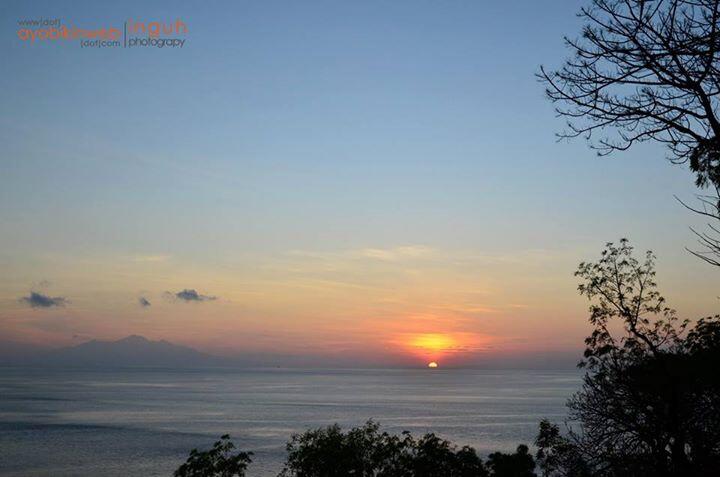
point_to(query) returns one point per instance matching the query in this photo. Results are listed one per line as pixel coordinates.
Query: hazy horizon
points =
(17, 353)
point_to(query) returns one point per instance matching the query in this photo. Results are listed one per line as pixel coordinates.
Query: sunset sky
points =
(329, 183)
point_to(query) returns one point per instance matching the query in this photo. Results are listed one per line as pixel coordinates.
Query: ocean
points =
(143, 422)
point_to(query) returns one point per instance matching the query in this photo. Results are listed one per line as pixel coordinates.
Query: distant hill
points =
(131, 351)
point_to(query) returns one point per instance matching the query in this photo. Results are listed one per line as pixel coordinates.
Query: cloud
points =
(189, 295)
(38, 300)
(144, 302)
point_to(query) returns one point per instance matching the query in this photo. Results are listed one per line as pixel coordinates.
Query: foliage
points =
(216, 462)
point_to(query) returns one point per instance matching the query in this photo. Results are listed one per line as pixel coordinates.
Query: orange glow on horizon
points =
(435, 347)
(433, 342)
(432, 347)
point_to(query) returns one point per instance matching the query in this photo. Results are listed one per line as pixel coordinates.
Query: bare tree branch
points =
(648, 70)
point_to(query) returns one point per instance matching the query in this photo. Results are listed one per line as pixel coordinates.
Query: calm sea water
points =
(144, 422)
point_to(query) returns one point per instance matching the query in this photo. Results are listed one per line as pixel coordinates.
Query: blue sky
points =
(314, 128)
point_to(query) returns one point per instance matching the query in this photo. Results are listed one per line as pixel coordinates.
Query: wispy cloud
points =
(389, 254)
(415, 252)
(151, 258)
(191, 295)
(406, 252)
(38, 300)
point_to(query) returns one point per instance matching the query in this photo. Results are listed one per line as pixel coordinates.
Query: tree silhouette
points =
(650, 400)
(645, 70)
(648, 70)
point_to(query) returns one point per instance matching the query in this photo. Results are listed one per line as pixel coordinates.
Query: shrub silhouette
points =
(367, 452)
(364, 451)
(216, 462)
(519, 464)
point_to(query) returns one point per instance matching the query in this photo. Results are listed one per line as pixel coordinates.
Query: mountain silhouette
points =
(133, 350)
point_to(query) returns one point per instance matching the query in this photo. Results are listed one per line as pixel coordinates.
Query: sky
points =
(326, 183)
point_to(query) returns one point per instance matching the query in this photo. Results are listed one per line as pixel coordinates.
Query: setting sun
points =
(432, 364)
